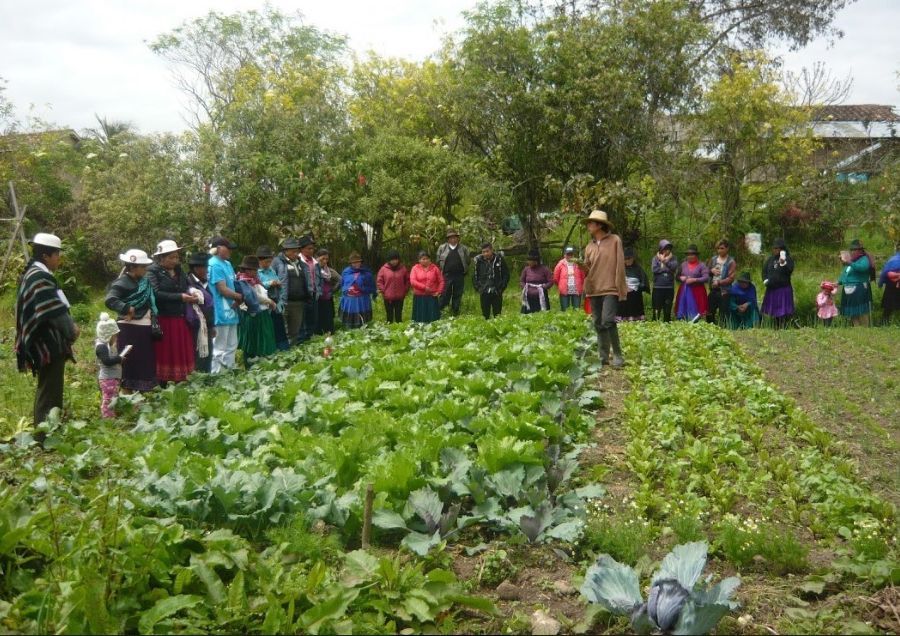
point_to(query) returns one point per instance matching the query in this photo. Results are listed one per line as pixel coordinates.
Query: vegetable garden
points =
(239, 502)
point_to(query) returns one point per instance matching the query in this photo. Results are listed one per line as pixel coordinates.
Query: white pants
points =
(224, 347)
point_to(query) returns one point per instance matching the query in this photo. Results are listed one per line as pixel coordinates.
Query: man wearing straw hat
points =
(45, 330)
(453, 259)
(604, 283)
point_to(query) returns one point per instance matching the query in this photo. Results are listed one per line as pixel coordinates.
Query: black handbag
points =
(155, 329)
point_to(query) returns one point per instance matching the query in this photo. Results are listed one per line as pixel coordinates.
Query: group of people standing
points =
(171, 320)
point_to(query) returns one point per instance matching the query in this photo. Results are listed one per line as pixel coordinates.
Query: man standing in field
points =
(490, 280)
(291, 292)
(604, 284)
(453, 259)
(225, 302)
(45, 330)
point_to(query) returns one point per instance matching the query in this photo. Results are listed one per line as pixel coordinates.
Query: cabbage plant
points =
(677, 603)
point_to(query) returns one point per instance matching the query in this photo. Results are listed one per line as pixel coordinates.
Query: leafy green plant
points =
(678, 602)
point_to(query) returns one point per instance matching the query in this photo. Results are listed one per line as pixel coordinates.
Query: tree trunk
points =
(730, 188)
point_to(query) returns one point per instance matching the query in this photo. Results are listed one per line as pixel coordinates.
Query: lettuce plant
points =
(677, 603)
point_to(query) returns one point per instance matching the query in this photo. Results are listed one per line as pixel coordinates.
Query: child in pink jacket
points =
(825, 302)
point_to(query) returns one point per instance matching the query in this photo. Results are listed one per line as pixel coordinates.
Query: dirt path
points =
(847, 381)
(611, 437)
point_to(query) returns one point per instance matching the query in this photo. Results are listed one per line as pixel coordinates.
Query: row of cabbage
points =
(235, 502)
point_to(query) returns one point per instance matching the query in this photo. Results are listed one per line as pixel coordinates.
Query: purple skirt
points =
(779, 303)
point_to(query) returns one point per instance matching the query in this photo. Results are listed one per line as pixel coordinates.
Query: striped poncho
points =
(44, 328)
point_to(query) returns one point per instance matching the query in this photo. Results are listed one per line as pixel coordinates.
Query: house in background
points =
(856, 139)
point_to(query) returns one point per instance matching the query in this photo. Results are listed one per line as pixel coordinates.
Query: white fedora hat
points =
(47, 240)
(135, 257)
(166, 247)
(599, 216)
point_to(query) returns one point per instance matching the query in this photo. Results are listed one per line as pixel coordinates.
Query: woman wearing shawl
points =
(691, 301)
(636, 279)
(272, 283)
(45, 330)
(131, 297)
(778, 301)
(200, 317)
(890, 280)
(856, 295)
(256, 333)
(357, 290)
(743, 308)
(175, 350)
(536, 280)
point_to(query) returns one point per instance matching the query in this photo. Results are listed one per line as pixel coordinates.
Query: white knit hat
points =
(106, 327)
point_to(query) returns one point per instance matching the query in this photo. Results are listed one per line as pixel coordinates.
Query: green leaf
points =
(164, 608)
(508, 483)
(612, 585)
(695, 619)
(720, 593)
(333, 609)
(418, 608)
(568, 531)
(359, 567)
(388, 520)
(420, 543)
(476, 603)
(684, 563)
(211, 580)
(591, 491)
(533, 526)
(428, 506)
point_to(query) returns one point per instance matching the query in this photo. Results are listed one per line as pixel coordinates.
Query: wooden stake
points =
(367, 517)
(17, 232)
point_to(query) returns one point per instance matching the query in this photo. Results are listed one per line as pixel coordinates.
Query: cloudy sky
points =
(64, 60)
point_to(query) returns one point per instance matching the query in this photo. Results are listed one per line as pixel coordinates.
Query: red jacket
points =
(426, 282)
(393, 283)
(561, 278)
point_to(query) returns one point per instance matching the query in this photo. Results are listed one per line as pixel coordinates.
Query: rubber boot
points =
(603, 346)
(617, 362)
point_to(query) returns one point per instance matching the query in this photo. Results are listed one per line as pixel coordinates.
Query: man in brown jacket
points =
(604, 284)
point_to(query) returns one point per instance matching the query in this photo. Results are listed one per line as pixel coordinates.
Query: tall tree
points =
(750, 128)
(543, 96)
(269, 100)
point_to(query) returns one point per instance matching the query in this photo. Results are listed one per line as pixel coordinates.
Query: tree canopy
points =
(536, 109)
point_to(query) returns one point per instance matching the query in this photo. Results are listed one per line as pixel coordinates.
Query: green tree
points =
(751, 130)
(541, 97)
(137, 193)
(269, 100)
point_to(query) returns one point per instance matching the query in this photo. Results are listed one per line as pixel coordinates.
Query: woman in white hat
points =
(175, 350)
(45, 330)
(132, 298)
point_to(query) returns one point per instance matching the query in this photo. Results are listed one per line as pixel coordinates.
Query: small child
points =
(110, 375)
(825, 302)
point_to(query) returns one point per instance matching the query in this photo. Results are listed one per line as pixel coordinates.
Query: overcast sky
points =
(65, 60)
